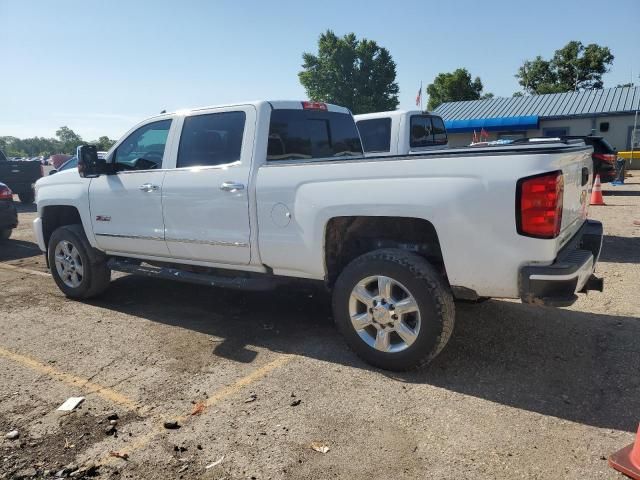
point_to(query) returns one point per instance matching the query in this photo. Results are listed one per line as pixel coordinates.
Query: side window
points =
(144, 148)
(306, 134)
(375, 134)
(211, 139)
(421, 131)
(439, 132)
(427, 131)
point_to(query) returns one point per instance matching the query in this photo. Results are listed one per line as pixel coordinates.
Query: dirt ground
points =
(254, 378)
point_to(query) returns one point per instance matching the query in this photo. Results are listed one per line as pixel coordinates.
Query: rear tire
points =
(5, 233)
(394, 309)
(27, 197)
(79, 270)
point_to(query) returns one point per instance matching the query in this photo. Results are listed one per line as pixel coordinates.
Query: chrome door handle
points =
(148, 187)
(231, 186)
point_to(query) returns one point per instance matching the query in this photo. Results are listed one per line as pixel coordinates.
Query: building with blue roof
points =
(608, 112)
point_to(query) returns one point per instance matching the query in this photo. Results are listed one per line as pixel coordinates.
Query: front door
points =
(205, 198)
(126, 207)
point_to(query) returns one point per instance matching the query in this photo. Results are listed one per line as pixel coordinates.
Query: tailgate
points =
(577, 172)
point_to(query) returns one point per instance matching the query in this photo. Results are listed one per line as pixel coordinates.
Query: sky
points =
(99, 67)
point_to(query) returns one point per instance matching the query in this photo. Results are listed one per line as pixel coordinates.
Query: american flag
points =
(419, 97)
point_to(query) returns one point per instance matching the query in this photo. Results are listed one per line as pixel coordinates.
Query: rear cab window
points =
(311, 134)
(426, 131)
(375, 134)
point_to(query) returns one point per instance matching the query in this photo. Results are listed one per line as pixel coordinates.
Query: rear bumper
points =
(8, 215)
(572, 272)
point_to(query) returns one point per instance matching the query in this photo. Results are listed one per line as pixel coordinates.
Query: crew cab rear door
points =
(206, 196)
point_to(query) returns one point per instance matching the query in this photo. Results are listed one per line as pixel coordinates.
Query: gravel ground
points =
(253, 379)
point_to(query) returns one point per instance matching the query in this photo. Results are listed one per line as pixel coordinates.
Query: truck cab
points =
(401, 132)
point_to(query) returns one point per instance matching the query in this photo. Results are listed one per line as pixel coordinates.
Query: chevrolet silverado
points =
(251, 194)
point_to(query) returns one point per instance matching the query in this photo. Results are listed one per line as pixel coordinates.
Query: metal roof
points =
(553, 105)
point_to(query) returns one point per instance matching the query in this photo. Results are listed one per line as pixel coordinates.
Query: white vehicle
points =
(252, 194)
(400, 132)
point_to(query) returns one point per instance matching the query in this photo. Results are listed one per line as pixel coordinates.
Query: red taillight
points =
(605, 157)
(314, 106)
(539, 205)
(5, 193)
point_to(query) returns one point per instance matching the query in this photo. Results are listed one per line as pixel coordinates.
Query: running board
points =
(254, 283)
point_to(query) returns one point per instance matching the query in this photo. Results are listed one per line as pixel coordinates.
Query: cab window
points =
(307, 134)
(144, 148)
(427, 131)
(375, 134)
(212, 139)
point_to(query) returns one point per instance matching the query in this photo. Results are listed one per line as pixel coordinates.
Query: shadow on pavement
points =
(582, 367)
(620, 249)
(17, 249)
(26, 207)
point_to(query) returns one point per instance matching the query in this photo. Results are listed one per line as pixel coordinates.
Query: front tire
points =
(79, 270)
(394, 309)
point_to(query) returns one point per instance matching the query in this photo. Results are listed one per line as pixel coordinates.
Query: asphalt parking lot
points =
(253, 379)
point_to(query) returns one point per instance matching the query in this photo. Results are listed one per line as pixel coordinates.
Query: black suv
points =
(604, 156)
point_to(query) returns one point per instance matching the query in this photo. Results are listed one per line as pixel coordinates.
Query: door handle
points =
(148, 187)
(231, 186)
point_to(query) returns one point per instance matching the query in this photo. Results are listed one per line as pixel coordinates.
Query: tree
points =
(357, 74)
(69, 140)
(454, 87)
(573, 67)
(104, 143)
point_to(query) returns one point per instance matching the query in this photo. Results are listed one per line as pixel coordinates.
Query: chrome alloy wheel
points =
(384, 314)
(68, 264)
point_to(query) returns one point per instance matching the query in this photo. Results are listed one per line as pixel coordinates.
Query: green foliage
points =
(103, 143)
(66, 142)
(357, 74)
(573, 67)
(454, 87)
(69, 140)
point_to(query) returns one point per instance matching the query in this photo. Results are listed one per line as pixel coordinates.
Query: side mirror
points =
(89, 165)
(51, 172)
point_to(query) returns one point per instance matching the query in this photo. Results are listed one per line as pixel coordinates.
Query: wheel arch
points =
(348, 237)
(55, 216)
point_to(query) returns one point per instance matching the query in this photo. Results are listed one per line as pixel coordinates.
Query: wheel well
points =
(57, 216)
(349, 237)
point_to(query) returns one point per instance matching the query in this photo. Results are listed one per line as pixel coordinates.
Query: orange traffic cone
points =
(627, 460)
(596, 193)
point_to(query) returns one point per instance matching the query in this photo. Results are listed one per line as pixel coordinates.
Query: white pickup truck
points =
(400, 132)
(247, 195)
